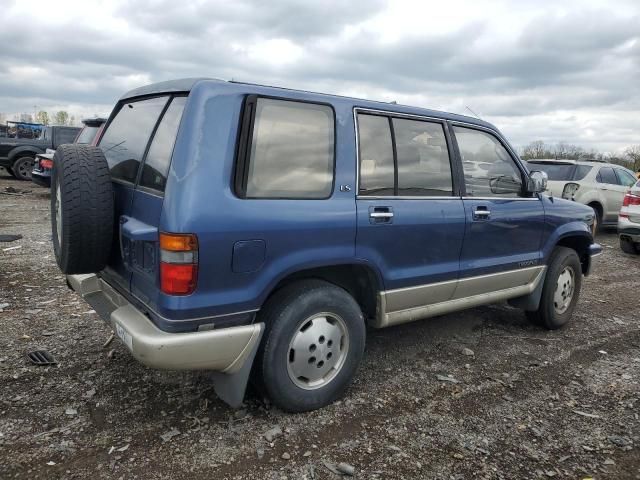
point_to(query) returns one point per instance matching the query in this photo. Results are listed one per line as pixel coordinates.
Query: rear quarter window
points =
(126, 137)
(291, 151)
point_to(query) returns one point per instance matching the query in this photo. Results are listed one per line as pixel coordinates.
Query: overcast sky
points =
(538, 69)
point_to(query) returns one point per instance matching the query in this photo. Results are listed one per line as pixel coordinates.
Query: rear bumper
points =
(41, 177)
(628, 229)
(225, 350)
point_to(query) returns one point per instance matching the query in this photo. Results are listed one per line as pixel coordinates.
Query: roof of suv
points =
(186, 84)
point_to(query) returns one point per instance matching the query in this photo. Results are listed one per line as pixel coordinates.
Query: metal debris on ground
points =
(41, 358)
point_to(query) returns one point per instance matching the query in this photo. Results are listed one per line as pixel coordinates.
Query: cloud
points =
(539, 70)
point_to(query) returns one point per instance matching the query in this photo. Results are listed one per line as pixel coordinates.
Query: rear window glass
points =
(581, 172)
(87, 135)
(156, 165)
(65, 135)
(555, 172)
(292, 151)
(126, 137)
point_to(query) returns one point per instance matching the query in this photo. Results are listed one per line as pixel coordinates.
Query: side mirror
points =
(537, 182)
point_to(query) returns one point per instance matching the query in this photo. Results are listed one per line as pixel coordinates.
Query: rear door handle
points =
(481, 213)
(380, 215)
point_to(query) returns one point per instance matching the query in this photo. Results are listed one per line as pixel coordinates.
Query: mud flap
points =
(530, 302)
(231, 388)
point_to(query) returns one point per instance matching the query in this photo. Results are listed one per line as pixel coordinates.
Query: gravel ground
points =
(478, 394)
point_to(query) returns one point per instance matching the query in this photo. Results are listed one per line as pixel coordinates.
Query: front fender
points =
(571, 229)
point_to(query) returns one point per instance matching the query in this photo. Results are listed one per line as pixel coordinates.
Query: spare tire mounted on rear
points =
(82, 215)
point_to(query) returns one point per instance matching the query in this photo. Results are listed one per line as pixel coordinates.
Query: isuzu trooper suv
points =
(256, 231)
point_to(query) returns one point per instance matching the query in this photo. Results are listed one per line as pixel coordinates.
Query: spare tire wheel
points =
(82, 214)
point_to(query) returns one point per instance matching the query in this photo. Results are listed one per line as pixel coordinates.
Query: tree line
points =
(630, 156)
(61, 117)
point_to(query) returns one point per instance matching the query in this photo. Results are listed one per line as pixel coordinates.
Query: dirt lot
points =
(519, 403)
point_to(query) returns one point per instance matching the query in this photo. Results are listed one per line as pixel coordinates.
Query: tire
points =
(22, 168)
(598, 219)
(297, 314)
(552, 314)
(10, 172)
(82, 195)
(628, 246)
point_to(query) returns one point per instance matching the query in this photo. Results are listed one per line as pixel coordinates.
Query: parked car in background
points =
(23, 141)
(226, 222)
(41, 173)
(600, 185)
(629, 221)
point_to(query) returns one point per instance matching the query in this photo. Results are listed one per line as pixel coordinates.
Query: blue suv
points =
(255, 232)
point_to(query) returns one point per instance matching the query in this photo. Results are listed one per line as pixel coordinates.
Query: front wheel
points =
(314, 342)
(560, 291)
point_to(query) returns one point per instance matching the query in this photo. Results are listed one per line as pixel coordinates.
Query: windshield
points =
(87, 134)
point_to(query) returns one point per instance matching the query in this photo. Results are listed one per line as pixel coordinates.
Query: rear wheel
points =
(628, 246)
(314, 342)
(598, 218)
(82, 214)
(560, 291)
(22, 168)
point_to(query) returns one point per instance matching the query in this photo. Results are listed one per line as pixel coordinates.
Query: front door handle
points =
(481, 213)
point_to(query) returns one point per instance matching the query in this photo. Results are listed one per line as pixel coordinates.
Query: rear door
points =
(410, 216)
(613, 192)
(504, 226)
(124, 143)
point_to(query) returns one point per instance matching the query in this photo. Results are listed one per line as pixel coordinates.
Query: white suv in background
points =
(600, 185)
(629, 221)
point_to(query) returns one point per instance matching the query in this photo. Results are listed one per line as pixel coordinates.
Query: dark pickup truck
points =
(20, 142)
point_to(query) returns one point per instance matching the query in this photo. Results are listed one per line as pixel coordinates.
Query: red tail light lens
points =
(177, 279)
(45, 163)
(630, 199)
(178, 263)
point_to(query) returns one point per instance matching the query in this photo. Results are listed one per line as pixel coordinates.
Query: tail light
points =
(178, 263)
(630, 199)
(46, 163)
(569, 190)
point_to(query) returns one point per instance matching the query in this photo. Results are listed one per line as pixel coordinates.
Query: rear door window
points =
(625, 178)
(423, 158)
(376, 156)
(156, 164)
(126, 137)
(290, 151)
(607, 175)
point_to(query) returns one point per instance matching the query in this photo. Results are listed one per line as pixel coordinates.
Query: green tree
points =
(42, 117)
(632, 153)
(61, 118)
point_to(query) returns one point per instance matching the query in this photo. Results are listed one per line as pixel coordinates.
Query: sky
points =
(550, 70)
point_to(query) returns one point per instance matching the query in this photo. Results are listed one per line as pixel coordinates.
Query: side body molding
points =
(414, 303)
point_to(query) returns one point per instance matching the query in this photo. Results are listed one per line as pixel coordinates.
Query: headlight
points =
(569, 191)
